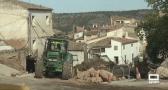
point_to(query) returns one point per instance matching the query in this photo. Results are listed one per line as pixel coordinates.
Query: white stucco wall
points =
(80, 57)
(111, 53)
(121, 52)
(40, 30)
(41, 26)
(130, 52)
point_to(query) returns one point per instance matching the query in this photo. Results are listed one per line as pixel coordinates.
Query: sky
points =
(73, 6)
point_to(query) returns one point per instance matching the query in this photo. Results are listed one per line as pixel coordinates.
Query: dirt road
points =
(57, 84)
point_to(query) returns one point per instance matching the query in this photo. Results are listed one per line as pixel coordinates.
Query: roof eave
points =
(129, 42)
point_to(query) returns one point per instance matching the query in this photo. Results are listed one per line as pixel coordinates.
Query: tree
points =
(159, 5)
(156, 29)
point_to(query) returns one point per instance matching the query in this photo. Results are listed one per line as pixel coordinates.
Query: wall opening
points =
(30, 64)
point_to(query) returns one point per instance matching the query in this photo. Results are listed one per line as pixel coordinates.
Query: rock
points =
(114, 78)
(96, 79)
(92, 72)
(163, 69)
(86, 75)
(94, 76)
(165, 63)
(106, 76)
(83, 75)
(163, 72)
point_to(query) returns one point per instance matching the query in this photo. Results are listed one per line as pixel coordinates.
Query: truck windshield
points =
(57, 46)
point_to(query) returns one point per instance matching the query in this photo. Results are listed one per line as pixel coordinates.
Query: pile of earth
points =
(7, 71)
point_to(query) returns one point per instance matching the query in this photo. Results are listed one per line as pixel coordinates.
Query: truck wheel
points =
(67, 72)
(39, 69)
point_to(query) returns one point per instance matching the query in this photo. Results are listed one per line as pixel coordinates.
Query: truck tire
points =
(67, 72)
(39, 69)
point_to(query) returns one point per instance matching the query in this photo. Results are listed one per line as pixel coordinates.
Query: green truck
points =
(56, 59)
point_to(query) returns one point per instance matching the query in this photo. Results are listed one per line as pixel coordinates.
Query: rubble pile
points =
(95, 76)
(95, 63)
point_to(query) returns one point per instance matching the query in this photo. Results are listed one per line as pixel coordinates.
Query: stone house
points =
(24, 26)
(26, 23)
(118, 50)
(77, 50)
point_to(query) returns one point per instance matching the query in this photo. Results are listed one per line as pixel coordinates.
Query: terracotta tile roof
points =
(92, 32)
(26, 5)
(102, 43)
(124, 40)
(73, 46)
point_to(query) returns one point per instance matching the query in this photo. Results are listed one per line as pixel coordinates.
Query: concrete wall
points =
(40, 30)
(80, 57)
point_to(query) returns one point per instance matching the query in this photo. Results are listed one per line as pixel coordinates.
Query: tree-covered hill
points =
(66, 21)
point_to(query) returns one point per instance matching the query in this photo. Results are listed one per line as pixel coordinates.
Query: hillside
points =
(65, 21)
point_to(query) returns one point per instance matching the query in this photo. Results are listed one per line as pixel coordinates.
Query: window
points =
(132, 45)
(34, 41)
(47, 20)
(33, 20)
(102, 49)
(115, 48)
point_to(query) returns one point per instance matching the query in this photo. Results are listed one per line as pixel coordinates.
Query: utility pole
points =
(85, 53)
(29, 34)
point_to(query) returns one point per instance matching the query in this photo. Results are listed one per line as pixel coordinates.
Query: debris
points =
(105, 75)
(7, 71)
(95, 76)
(96, 64)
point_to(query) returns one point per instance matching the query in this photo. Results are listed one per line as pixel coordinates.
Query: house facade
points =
(122, 50)
(77, 50)
(25, 22)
